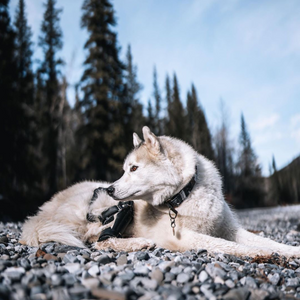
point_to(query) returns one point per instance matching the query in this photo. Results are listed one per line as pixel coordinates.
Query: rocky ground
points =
(61, 272)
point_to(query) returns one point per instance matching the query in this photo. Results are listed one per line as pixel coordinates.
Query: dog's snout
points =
(110, 190)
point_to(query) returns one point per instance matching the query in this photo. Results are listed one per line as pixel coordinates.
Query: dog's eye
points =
(133, 168)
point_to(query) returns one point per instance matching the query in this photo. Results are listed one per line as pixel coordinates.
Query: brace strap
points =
(123, 220)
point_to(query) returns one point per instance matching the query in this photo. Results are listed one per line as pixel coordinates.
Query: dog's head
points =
(149, 174)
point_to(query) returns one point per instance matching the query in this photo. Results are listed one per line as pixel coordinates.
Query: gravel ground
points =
(61, 272)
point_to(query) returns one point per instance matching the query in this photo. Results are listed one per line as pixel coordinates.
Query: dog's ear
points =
(136, 140)
(151, 140)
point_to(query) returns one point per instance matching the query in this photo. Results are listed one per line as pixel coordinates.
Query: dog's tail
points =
(34, 234)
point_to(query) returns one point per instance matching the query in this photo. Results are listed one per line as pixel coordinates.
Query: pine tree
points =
(168, 91)
(276, 189)
(50, 41)
(9, 111)
(249, 188)
(192, 116)
(198, 134)
(157, 98)
(168, 100)
(27, 137)
(133, 87)
(105, 106)
(247, 161)
(176, 124)
(150, 121)
(24, 53)
(74, 144)
(224, 154)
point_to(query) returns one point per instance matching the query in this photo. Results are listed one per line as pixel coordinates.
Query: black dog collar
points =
(177, 199)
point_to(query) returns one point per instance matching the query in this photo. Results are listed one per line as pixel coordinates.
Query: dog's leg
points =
(93, 231)
(127, 245)
(193, 240)
(247, 238)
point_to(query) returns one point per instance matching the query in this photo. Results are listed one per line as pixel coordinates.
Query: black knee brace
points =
(125, 211)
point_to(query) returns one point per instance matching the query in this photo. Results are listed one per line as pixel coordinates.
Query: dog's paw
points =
(127, 245)
(143, 243)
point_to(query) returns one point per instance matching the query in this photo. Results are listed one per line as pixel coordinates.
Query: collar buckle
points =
(172, 214)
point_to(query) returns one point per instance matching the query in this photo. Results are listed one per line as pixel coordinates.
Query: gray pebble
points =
(118, 282)
(188, 270)
(149, 284)
(5, 257)
(81, 259)
(203, 276)
(259, 294)
(69, 279)
(24, 262)
(183, 278)
(175, 296)
(103, 259)
(292, 282)
(215, 271)
(208, 293)
(127, 276)
(141, 270)
(169, 277)
(91, 283)
(56, 279)
(142, 255)
(157, 275)
(249, 282)
(85, 254)
(79, 292)
(94, 270)
(176, 270)
(49, 249)
(69, 258)
(107, 277)
(19, 293)
(241, 293)
(230, 283)
(274, 279)
(60, 294)
(166, 266)
(36, 290)
(14, 274)
(72, 267)
(121, 260)
(3, 240)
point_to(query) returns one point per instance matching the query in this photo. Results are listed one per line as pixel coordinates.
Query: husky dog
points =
(182, 206)
(164, 168)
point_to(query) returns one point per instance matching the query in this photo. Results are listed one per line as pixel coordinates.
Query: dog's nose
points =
(110, 190)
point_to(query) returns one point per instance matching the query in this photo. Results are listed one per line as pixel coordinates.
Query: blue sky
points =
(245, 52)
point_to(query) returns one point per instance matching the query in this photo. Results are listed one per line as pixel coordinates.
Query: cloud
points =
(295, 120)
(266, 122)
(296, 134)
